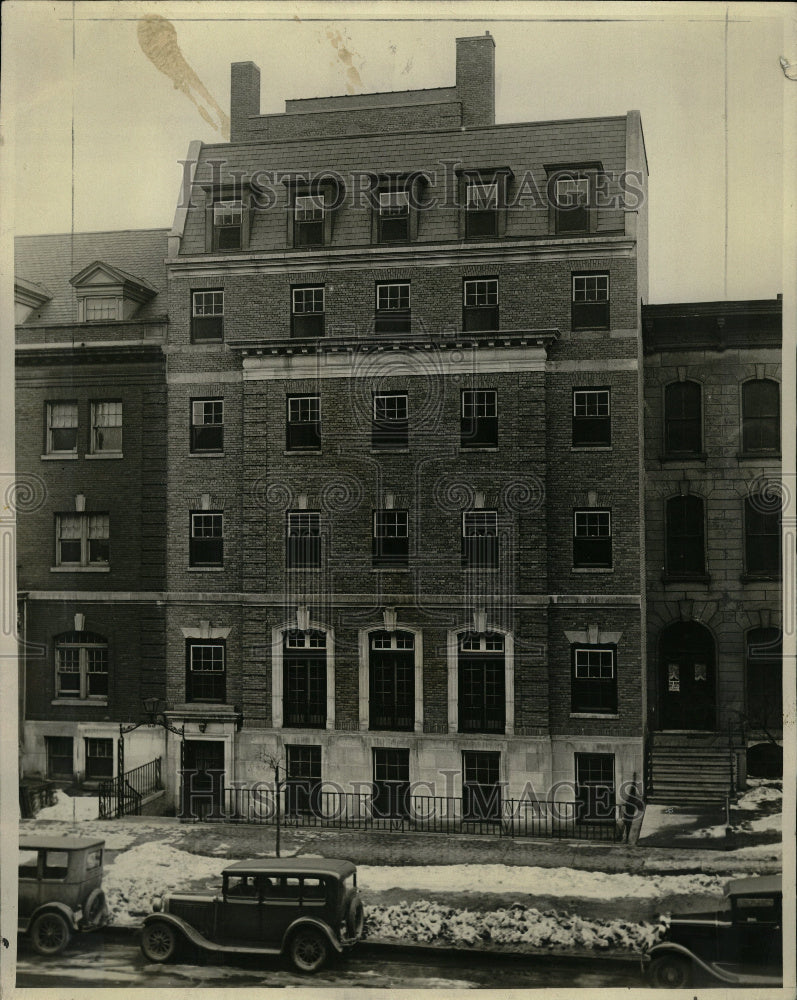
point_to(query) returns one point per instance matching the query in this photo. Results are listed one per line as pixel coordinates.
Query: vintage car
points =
(309, 910)
(60, 889)
(740, 944)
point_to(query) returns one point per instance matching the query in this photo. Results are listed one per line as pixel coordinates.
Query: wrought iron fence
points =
(122, 796)
(419, 813)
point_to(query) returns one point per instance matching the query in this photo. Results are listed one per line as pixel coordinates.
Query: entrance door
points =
(203, 779)
(687, 678)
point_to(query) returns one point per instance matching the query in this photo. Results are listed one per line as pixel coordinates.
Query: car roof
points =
(293, 866)
(34, 842)
(763, 884)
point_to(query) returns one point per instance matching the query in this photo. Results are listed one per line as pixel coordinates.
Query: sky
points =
(98, 128)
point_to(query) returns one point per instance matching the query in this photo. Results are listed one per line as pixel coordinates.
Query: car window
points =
(56, 864)
(758, 909)
(287, 887)
(314, 890)
(28, 864)
(241, 887)
(93, 859)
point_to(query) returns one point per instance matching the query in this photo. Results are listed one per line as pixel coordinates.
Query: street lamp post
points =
(155, 717)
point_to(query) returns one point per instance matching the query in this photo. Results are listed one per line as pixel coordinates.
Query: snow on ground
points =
(761, 791)
(67, 807)
(535, 881)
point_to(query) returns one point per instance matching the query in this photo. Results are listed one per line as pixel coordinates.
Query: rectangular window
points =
(592, 538)
(206, 548)
(82, 540)
(391, 538)
(392, 681)
(481, 789)
(106, 428)
(480, 539)
(228, 217)
(762, 530)
(62, 428)
(394, 217)
(207, 316)
(595, 792)
(480, 304)
(592, 422)
(308, 220)
(590, 305)
(304, 540)
(303, 780)
(594, 684)
(304, 423)
(81, 667)
(391, 782)
(100, 308)
(60, 757)
(99, 759)
(685, 549)
(479, 419)
(207, 672)
(761, 416)
(390, 428)
(571, 209)
(207, 425)
(682, 432)
(304, 689)
(307, 311)
(481, 209)
(393, 313)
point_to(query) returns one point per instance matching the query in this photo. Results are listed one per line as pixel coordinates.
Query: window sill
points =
(67, 456)
(478, 447)
(591, 447)
(206, 454)
(210, 344)
(302, 451)
(97, 702)
(592, 569)
(760, 578)
(594, 715)
(758, 456)
(390, 451)
(687, 456)
(588, 329)
(390, 569)
(481, 569)
(97, 455)
(80, 569)
(685, 578)
(303, 569)
(205, 569)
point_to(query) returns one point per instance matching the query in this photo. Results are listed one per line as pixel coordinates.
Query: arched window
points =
(761, 416)
(682, 433)
(685, 537)
(81, 666)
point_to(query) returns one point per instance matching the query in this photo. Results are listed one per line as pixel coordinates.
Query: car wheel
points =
(355, 917)
(158, 941)
(670, 972)
(96, 908)
(309, 949)
(50, 933)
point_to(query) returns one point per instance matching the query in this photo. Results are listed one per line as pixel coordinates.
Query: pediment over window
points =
(28, 295)
(106, 293)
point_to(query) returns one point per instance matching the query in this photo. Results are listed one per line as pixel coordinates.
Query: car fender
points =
(61, 908)
(311, 922)
(671, 947)
(181, 925)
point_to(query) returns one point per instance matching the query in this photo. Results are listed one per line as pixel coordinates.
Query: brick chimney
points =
(244, 98)
(476, 79)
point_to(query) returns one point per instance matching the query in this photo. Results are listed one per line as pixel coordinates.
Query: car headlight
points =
(157, 903)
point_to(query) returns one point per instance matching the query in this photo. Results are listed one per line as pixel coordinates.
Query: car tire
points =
(355, 917)
(159, 941)
(96, 908)
(309, 949)
(670, 972)
(50, 933)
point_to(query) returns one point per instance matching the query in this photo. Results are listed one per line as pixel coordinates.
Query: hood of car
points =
(707, 916)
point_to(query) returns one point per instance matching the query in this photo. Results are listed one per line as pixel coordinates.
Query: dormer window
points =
(106, 293)
(228, 225)
(394, 217)
(571, 198)
(483, 197)
(308, 220)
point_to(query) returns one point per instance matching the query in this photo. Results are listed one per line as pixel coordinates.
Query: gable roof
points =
(54, 260)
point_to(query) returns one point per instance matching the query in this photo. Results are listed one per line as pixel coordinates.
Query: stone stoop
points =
(689, 768)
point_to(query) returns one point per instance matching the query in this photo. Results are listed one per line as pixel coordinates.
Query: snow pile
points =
(536, 881)
(67, 807)
(762, 793)
(135, 876)
(427, 922)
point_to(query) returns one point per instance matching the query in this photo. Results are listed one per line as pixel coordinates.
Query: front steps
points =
(689, 769)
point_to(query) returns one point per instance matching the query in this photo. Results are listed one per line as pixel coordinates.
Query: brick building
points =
(384, 471)
(712, 457)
